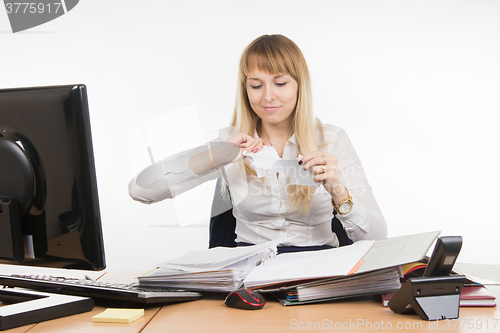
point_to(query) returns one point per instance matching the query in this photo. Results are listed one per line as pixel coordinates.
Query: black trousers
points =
(289, 249)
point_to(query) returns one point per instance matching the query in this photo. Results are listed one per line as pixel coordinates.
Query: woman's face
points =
(273, 97)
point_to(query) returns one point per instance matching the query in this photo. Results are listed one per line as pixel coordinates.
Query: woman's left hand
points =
(325, 170)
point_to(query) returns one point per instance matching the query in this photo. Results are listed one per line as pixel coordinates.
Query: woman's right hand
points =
(247, 143)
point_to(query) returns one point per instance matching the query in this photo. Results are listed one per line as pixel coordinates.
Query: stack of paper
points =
(374, 282)
(226, 279)
(365, 267)
(362, 256)
(217, 269)
(307, 277)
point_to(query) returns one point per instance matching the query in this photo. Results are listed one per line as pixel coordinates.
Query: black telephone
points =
(435, 295)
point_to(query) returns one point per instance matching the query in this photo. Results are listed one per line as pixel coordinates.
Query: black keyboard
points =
(96, 289)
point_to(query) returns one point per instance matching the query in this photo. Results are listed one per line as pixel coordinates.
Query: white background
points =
(414, 83)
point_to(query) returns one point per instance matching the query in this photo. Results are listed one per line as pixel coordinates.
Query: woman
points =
(274, 109)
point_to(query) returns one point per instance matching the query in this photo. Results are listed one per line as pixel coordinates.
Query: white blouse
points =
(261, 208)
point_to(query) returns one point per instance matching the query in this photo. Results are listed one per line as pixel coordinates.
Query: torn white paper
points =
(267, 162)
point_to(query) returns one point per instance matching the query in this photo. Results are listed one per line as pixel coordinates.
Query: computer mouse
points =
(245, 299)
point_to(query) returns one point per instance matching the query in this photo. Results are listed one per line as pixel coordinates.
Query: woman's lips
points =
(271, 108)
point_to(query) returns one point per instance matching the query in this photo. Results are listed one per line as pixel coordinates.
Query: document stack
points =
(365, 267)
(341, 287)
(217, 269)
(309, 277)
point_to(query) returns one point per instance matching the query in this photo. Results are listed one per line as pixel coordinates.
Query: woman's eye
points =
(256, 87)
(281, 84)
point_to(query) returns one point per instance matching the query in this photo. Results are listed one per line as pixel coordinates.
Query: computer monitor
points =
(49, 213)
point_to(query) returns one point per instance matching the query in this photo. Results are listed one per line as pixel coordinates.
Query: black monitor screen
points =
(49, 212)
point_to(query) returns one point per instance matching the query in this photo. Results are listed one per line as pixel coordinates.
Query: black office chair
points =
(223, 222)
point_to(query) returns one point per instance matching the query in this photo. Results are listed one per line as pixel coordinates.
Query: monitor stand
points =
(11, 236)
(33, 307)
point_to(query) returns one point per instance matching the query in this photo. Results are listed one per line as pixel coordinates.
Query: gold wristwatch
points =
(345, 206)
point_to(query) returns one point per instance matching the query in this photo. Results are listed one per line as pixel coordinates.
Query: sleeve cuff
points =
(353, 220)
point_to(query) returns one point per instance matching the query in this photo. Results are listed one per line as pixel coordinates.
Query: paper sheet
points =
(267, 162)
(308, 265)
(216, 269)
(398, 250)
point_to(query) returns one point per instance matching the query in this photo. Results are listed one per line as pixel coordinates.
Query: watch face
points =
(345, 208)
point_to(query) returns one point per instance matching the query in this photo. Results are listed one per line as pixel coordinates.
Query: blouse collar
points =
(292, 139)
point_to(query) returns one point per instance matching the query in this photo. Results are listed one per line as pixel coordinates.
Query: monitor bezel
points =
(72, 101)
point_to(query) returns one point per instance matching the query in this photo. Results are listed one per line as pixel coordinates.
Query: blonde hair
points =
(276, 54)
